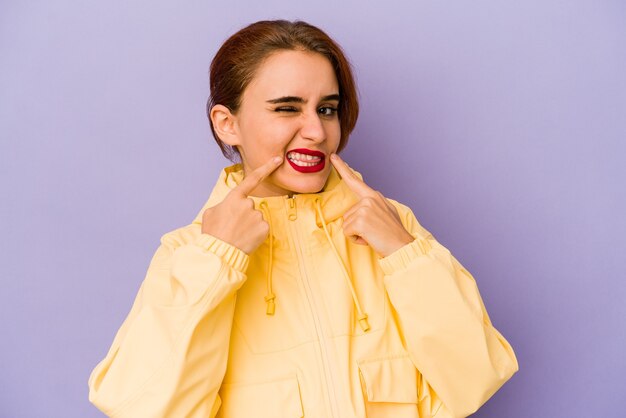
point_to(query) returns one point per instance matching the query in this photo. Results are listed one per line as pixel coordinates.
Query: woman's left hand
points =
(372, 220)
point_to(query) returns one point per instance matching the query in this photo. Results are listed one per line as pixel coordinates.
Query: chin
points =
(312, 185)
(308, 188)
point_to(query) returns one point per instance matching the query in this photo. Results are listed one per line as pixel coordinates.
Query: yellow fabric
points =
(309, 324)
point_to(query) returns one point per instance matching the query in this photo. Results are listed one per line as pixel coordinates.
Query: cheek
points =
(277, 135)
(264, 137)
(334, 132)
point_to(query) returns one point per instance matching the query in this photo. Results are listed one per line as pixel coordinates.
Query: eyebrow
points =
(296, 99)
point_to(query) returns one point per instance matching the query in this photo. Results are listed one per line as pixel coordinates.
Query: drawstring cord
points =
(363, 322)
(270, 297)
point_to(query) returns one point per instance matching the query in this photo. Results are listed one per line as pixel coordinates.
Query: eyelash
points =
(333, 110)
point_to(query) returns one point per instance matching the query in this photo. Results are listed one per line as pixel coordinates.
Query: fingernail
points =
(278, 159)
(333, 156)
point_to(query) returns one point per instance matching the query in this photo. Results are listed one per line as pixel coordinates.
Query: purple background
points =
(501, 125)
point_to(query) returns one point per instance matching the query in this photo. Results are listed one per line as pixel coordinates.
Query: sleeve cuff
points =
(232, 255)
(402, 257)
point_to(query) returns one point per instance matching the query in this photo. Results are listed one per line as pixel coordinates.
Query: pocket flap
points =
(392, 379)
(271, 399)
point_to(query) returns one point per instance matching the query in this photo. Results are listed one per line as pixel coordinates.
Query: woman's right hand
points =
(235, 220)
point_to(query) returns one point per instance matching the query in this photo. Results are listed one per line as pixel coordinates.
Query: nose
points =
(312, 127)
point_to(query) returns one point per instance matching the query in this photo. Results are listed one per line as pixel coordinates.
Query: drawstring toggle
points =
(271, 305)
(363, 322)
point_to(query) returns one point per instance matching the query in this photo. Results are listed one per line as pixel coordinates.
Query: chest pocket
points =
(390, 387)
(278, 398)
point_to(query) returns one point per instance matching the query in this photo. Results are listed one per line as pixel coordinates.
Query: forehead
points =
(301, 73)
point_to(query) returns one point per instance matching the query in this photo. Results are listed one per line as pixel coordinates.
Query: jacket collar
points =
(328, 204)
(335, 198)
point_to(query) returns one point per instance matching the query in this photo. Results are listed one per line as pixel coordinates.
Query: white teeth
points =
(302, 163)
(302, 159)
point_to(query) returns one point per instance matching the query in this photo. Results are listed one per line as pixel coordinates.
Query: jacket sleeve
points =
(169, 356)
(463, 360)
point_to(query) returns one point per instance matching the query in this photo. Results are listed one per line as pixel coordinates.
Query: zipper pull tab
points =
(292, 214)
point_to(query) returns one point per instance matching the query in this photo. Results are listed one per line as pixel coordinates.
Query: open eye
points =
(328, 110)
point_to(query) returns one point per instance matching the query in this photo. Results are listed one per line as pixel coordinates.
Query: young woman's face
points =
(291, 103)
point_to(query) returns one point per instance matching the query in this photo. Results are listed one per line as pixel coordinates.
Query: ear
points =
(224, 123)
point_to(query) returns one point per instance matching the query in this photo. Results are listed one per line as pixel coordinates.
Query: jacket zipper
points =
(330, 392)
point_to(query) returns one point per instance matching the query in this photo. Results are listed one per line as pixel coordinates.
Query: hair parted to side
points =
(237, 60)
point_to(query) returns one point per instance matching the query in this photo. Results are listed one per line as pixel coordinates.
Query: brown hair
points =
(237, 60)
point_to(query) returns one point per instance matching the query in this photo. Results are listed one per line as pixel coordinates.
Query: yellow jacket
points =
(309, 324)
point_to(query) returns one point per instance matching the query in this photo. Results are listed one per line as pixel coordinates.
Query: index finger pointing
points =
(356, 184)
(256, 176)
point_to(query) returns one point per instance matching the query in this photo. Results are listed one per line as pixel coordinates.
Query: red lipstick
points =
(319, 163)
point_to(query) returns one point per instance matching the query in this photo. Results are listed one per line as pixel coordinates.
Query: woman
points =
(298, 290)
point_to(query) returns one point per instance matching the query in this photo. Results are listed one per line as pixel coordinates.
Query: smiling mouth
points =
(307, 161)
